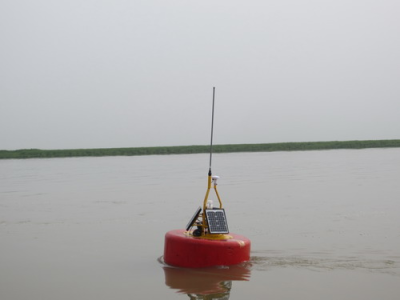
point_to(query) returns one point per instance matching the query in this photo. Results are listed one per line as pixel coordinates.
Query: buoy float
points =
(184, 250)
(206, 241)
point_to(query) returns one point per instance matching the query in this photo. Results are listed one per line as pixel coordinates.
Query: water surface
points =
(323, 224)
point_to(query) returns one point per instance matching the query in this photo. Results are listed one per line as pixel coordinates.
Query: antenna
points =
(212, 130)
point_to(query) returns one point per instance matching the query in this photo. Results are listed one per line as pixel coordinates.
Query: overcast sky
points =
(132, 73)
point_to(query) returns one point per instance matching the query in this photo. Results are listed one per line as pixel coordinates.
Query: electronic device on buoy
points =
(206, 240)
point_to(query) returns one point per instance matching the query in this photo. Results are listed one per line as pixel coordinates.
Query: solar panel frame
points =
(193, 219)
(216, 221)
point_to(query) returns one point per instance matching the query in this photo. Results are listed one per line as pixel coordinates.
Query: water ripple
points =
(389, 265)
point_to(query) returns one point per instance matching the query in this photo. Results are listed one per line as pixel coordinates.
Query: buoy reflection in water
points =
(206, 283)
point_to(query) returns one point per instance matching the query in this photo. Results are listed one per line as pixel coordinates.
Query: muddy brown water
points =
(323, 225)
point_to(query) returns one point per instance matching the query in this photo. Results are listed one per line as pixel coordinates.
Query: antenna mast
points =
(212, 130)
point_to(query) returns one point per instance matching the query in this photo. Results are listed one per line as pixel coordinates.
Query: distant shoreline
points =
(230, 148)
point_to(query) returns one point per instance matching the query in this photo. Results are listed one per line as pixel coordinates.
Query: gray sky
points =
(99, 74)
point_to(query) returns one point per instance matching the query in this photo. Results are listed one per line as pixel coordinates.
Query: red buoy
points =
(206, 241)
(187, 251)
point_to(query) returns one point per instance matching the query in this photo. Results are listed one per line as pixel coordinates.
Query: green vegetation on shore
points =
(300, 146)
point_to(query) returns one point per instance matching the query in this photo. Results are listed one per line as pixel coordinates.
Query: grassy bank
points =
(301, 146)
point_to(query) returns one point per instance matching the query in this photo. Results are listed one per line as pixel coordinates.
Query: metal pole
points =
(212, 130)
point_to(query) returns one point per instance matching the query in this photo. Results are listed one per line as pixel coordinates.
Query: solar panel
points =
(193, 219)
(216, 220)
